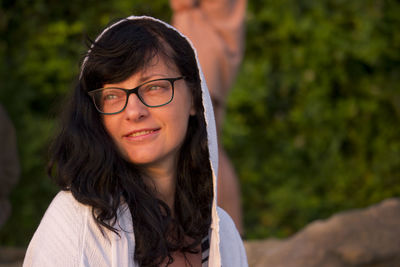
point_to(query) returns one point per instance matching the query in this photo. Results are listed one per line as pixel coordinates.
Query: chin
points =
(141, 161)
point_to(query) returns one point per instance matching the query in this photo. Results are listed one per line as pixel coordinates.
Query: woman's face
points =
(152, 137)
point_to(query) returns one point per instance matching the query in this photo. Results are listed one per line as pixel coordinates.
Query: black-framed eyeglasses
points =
(154, 93)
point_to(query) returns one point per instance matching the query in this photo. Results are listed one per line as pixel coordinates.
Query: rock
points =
(360, 238)
(364, 238)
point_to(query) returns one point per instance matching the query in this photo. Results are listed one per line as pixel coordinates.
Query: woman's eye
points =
(110, 97)
(113, 95)
(154, 88)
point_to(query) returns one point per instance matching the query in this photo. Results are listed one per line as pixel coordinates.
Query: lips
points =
(142, 132)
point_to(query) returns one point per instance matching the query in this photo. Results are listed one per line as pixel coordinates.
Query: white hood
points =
(214, 256)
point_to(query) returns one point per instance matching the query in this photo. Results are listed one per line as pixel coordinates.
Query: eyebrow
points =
(146, 78)
(151, 77)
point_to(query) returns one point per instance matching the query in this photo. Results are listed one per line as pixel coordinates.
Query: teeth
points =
(140, 133)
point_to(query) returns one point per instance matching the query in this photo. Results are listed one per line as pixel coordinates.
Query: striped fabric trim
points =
(205, 250)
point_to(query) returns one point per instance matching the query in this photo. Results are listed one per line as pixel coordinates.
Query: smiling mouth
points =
(144, 132)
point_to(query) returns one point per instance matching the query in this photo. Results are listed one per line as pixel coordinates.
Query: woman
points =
(136, 159)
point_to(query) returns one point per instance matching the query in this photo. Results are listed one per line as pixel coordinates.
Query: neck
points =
(163, 180)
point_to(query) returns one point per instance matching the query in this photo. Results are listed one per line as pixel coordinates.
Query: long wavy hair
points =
(85, 161)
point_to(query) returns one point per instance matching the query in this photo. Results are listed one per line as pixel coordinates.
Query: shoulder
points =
(64, 203)
(65, 213)
(58, 239)
(225, 219)
(231, 244)
(227, 227)
(68, 235)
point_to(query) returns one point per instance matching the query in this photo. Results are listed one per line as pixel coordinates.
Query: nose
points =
(135, 109)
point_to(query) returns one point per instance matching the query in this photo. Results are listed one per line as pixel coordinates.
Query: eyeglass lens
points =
(152, 94)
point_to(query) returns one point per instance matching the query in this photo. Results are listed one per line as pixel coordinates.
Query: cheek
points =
(178, 124)
(111, 127)
(107, 124)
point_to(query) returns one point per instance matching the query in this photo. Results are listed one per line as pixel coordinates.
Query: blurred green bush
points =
(312, 122)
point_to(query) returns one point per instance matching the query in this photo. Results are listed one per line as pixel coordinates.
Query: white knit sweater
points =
(68, 236)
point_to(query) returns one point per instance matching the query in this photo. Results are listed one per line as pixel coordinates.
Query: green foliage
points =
(41, 45)
(311, 124)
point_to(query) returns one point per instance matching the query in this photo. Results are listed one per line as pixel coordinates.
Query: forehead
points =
(158, 65)
(155, 68)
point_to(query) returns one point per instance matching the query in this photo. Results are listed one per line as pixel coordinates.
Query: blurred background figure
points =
(216, 29)
(9, 165)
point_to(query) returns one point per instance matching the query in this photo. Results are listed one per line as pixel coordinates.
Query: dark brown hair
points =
(85, 161)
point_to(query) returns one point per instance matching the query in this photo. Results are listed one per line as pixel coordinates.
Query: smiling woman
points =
(152, 137)
(136, 159)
